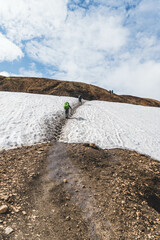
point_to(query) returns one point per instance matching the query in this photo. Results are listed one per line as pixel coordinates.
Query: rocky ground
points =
(78, 191)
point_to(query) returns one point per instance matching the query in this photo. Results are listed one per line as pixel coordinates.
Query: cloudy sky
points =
(108, 43)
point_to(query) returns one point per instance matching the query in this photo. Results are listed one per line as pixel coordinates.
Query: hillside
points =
(67, 88)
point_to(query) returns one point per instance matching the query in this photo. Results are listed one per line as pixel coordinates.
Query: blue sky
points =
(111, 44)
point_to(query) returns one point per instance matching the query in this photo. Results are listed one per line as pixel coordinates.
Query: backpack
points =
(66, 105)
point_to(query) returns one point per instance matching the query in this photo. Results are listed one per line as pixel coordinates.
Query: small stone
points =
(8, 230)
(138, 215)
(149, 236)
(24, 213)
(4, 197)
(16, 208)
(92, 145)
(68, 218)
(3, 208)
(158, 220)
(65, 181)
(33, 217)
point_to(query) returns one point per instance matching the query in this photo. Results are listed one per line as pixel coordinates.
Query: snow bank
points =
(23, 117)
(116, 125)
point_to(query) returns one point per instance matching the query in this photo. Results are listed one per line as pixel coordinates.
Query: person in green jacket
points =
(66, 108)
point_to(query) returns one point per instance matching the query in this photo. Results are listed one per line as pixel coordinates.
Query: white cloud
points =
(83, 42)
(6, 74)
(145, 18)
(141, 79)
(24, 20)
(30, 72)
(8, 50)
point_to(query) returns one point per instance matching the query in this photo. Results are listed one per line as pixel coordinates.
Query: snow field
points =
(23, 117)
(26, 119)
(116, 125)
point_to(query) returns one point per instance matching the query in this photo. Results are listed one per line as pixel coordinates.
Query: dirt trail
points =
(61, 169)
(54, 127)
(63, 121)
(64, 205)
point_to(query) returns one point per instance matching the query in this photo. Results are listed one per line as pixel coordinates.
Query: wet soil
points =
(78, 191)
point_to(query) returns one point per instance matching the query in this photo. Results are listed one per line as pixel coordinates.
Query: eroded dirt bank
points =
(78, 191)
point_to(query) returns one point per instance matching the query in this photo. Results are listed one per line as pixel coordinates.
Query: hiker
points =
(80, 99)
(66, 108)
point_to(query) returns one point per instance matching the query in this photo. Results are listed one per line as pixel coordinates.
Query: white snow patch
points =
(116, 125)
(23, 117)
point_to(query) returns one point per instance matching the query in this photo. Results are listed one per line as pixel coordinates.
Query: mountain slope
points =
(67, 88)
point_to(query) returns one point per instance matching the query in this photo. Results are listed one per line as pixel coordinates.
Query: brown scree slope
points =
(68, 88)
